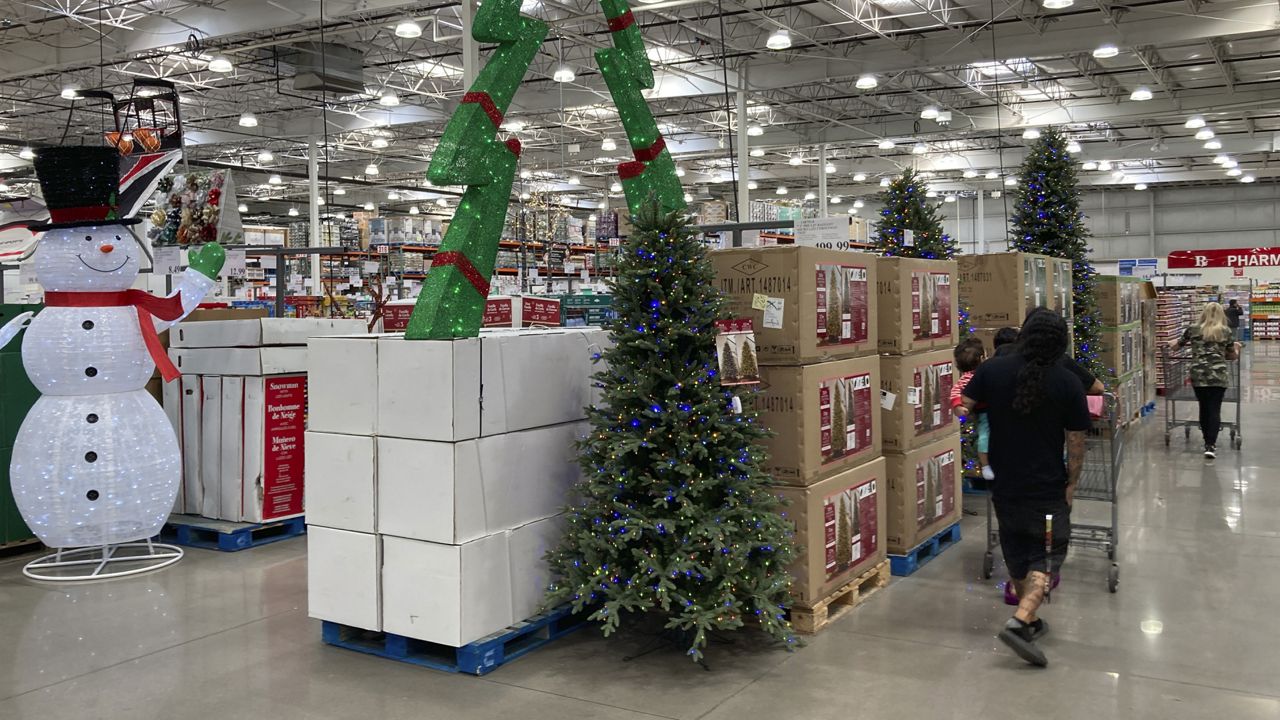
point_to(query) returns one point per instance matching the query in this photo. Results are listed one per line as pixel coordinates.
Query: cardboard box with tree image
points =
(916, 304)
(923, 488)
(916, 398)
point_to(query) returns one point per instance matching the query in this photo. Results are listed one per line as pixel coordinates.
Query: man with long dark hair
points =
(1035, 408)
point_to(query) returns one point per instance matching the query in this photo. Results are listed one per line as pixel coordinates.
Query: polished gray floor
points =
(1191, 634)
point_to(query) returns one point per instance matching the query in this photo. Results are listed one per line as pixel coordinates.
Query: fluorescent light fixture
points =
(755, 130)
(265, 157)
(1235, 172)
(242, 208)
(371, 169)
(1073, 147)
(859, 177)
(220, 64)
(866, 82)
(1204, 134)
(1248, 179)
(886, 144)
(930, 112)
(378, 143)
(885, 182)
(274, 180)
(293, 212)
(859, 204)
(615, 187)
(757, 152)
(248, 120)
(1214, 144)
(779, 40)
(1057, 4)
(1140, 186)
(753, 185)
(1106, 50)
(1031, 134)
(388, 98)
(1091, 165)
(413, 210)
(919, 149)
(1104, 166)
(970, 174)
(782, 190)
(563, 74)
(795, 160)
(1195, 122)
(408, 29)
(608, 145)
(1141, 93)
(27, 153)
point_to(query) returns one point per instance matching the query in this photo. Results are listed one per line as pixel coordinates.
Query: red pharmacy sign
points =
(1224, 257)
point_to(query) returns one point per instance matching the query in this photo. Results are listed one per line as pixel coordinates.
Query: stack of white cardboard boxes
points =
(239, 411)
(437, 472)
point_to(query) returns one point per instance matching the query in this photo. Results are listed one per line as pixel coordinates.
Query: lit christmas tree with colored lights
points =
(1047, 220)
(907, 208)
(675, 516)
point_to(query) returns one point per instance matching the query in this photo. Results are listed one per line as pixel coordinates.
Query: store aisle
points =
(1190, 634)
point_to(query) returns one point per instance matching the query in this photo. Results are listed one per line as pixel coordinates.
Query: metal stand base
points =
(104, 562)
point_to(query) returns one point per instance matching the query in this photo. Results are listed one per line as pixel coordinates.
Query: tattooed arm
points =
(1075, 461)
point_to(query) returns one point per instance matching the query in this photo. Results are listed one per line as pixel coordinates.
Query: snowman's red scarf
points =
(147, 305)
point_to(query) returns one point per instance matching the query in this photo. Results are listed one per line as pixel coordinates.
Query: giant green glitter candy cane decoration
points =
(451, 303)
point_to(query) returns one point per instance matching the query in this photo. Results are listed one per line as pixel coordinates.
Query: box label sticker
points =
(887, 400)
(736, 352)
(283, 432)
(841, 294)
(773, 313)
(846, 411)
(759, 301)
(935, 488)
(849, 527)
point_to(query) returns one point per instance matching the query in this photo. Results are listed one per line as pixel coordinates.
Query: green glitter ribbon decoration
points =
(627, 73)
(451, 303)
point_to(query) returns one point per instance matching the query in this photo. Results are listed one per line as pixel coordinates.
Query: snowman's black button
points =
(87, 324)
(91, 371)
(92, 495)
(91, 418)
(90, 456)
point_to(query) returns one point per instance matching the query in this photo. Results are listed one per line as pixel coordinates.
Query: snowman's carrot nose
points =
(106, 248)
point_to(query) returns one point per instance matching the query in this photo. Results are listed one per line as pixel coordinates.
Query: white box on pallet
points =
(231, 464)
(189, 402)
(457, 492)
(341, 481)
(344, 577)
(343, 374)
(240, 361)
(210, 445)
(257, 332)
(530, 575)
(448, 594)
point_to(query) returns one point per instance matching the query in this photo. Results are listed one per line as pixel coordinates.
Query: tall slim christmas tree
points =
(907, 208)
(1047, 220)
(844, 540)
(675, 516)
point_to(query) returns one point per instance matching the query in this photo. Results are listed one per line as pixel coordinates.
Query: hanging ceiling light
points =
(575, 180)
(408, 29)
(1106, 50)
(1195, 122)
(866, 82)
(830, 168)
(220, 64)
(393, 195)
(378, 143)
(995, 194)
(1057, 4)
(265, 157)
(755, 130)
(1247, 179)
(679, 171)
(1141, 93)
(371, 169)
(757, 152)
(274, 180)
(525, 174)
(1031, 134)
(524, 196)
(1105, 166)
(1010, 181)
(885, 182)
(919, 149)
(368, 206)
(608, 145)
(1235, 172)
(563, 74)
(859, 204)
(970, 174)
(293, 212)
(1091, 165)
(1230, 163)
(1214, 144)
(753, 185)
(514, 125)
(795, 160)
(388, 98)
(779, 40)
(930, 112)
(1073, 147)
(1219, 159)
(242, 208)
(992, 175)
(688, 197)
(413, 210)
(248, 120)
(886, 144)
(835, 200)
(70, 93)
(810, 196)
(931, 193)
(782, 190)
(1140, 186)
(949, 198)
(853, 211)
(615, 187)
(1204, 134)
(859, 177)
(320, 201)
(27, 153)
(442, 202)
(339, 191)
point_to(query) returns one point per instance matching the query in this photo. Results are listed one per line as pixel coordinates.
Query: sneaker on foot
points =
(1210, 452)
(1017, 635)
(1039, 628)
(988, 473)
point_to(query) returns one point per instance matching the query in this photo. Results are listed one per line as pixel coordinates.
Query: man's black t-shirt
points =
(1233, 316)
(1086, 378)
(1027, 449)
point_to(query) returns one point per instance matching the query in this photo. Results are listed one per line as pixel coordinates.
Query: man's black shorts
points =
(1022, 534)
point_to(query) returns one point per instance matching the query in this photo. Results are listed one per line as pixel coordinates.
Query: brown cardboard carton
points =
(923, 493)
(827, 301)
(1119, 299)
(825, 417)
(1120, 349)
(840, 528)
(917, 308)
(915, 399)
(999, 288)
(1061, 289)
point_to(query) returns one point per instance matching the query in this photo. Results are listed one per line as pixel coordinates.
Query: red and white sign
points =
(1237, 272)
(514, 312)
(278, 490)
(1224, 257)
(396, 314)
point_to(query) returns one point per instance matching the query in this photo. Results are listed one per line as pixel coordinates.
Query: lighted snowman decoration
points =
(96, 461)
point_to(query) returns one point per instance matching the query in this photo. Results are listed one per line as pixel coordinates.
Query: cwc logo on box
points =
(749, 267)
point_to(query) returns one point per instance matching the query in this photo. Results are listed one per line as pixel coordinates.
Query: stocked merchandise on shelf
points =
(1150, 348)
(1264, 316)
(1000, 288)
(1173, 315)
(452, 555)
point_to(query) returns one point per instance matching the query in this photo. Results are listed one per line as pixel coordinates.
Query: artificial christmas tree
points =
(1047, 220)
(838, 444)
(675, 518)
(907, 208)
(844, 536)
(748, 368)
(729, 364)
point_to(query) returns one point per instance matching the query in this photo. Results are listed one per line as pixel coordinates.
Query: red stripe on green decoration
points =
(464, 266)
(628, 170)
(513, 144)
(622, 22)
(650, 153)
(482, 99)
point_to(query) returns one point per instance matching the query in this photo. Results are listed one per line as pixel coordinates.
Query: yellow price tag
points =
(759, 301)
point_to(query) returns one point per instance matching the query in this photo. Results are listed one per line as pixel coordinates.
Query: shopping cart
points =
(1178, 389)
(1099, 478)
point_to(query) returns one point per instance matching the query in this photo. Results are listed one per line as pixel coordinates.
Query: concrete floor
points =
(1191, 633)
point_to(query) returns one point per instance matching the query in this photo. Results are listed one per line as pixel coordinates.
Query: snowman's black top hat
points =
(80, 186)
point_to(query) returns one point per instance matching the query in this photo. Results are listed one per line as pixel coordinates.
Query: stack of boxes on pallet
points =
(1000, 288)
(918, 334)
(437, 472)
(819, 376)
(1122, 339)
(239, 411)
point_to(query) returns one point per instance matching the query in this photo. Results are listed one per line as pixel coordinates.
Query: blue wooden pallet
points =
(921, 554)
(478, 658)
(200, 532)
